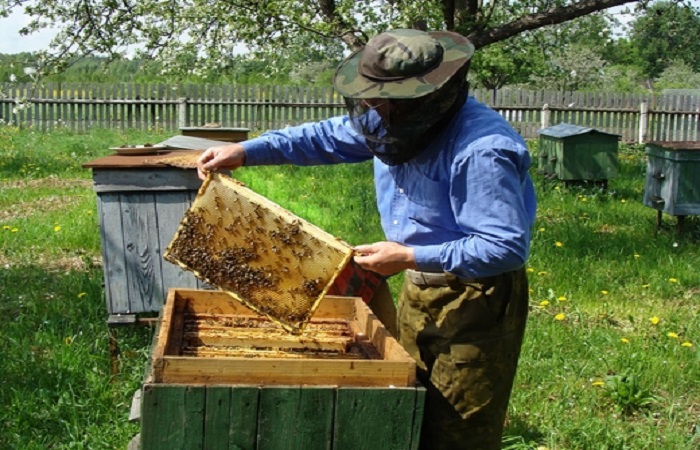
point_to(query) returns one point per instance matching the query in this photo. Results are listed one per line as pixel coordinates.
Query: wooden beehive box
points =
(672, 182)
(239, 392)
(571, 153)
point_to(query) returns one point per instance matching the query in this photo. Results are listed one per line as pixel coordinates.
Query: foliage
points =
(667, 33)
(677, 75)
(187, 35)
(627, 393)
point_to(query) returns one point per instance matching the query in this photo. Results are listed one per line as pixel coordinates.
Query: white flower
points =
(13, 78)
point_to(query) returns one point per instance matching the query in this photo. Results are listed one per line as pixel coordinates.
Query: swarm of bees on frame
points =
(268, 260)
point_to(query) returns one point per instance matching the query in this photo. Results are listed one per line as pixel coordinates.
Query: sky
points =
(12, 42)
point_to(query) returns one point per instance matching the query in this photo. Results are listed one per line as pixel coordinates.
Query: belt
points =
(434, 278)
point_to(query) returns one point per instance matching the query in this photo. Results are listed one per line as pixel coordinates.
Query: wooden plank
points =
(217, 421)
(113, 257)
(147, 179)
(295, 418)
(375, 418)
(170, 209)
(163, 417)
(193, 427)
(142, 256)
(243, 430)
(183, 369)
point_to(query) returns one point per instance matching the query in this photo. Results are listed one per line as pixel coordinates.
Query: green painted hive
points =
(222, 377)
(570, 152)
(673, 177)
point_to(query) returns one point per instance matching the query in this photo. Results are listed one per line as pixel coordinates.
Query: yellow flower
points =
(654, 320)
(636, 255)
(561, 299)
(673, 335)
(542, 230)
(558, 244)
(584, 199)
(687, 344)
(560, 316)
(544, 303)
(542, 273)
(625, 341)
(6, 227)
(672, 280)
(14, 230)
(530, 269)
(645, 286)
(57, 228)
(82, 294)
(604, 292)
(68, 340)
(598, 383)
(623, 201)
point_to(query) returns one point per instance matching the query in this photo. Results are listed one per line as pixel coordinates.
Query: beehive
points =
(223, 377)
(672, 183)
(259, 253)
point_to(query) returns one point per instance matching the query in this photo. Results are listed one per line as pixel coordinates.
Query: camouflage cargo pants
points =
(466, 339)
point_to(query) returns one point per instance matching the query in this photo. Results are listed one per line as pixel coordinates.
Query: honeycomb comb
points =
(272, 261)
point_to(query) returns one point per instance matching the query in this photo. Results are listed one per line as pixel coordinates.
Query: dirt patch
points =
(64, 263)
(21, 210)
(48, 182)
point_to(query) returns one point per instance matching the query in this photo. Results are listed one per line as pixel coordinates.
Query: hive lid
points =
(264, 256)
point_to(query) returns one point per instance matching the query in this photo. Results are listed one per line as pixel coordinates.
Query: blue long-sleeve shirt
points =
(466, 204)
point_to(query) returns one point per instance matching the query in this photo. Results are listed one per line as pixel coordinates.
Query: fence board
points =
(82, 106)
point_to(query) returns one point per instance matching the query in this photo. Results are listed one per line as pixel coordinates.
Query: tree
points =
(205, 34)
(666, 33)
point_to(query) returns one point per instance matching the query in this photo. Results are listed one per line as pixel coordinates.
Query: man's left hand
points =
(385, 258)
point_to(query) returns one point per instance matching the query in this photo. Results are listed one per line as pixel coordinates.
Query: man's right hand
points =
(225, 157)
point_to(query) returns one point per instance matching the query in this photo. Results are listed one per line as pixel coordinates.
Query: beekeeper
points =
(456, 204)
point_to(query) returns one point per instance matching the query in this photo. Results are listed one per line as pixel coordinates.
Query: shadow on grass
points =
(519, 434)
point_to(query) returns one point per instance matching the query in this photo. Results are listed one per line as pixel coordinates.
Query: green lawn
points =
(611, 357)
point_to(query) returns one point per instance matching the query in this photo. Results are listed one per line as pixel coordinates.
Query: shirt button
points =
(396, 222)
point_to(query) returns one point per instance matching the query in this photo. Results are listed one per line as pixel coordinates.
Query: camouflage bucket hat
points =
(402, 63)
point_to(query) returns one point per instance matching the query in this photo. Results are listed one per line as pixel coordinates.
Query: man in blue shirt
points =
(457, 206)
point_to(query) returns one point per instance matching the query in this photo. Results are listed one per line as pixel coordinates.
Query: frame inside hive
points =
(274, 262)
(206, 337)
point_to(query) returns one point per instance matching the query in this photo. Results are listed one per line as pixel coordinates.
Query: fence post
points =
(643, 121)
(545, 115)
(182, 112)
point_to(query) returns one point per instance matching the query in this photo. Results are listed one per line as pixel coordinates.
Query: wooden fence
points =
(80, 107)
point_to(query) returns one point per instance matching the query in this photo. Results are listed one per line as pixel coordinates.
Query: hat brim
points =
(350, 83)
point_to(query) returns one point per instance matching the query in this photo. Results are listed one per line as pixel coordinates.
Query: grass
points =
(610, 361)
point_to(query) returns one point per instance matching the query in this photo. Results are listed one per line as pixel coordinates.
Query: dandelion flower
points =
(636, 255)
(672, 335)
(654, 320)
(560, 316)
(604, 292)
(530, 270)
(673, 280)
(687, 344)
(558, 244)
(625, 341)
(598, 383)
(544, 303)
(14, 230)
(82, 294)
(542, 230)
(561, 298)
(623, 201)
(57, 228)
(542, 273)
(6, 227)
(645, 286)
(584, 199)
